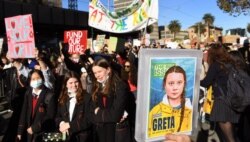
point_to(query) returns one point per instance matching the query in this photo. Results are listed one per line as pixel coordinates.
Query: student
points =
(72, 110)
(217, 76)
(109, 99)
(38, 110)
(174, 112)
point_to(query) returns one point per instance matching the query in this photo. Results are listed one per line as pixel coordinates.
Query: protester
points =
(129, 75)
(109, 100)
(38, 110)
(217, 76)
(244, 121)
(72, 110)
(14, 84)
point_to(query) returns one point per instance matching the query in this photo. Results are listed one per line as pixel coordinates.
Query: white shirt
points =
(72, 104)
(37, 93)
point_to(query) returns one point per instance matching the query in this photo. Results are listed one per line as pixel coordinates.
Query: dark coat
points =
(43, 119)
(80, 127)
(110, 114)
(216, 76)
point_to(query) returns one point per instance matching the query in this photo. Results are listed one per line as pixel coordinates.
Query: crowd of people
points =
(92, 97)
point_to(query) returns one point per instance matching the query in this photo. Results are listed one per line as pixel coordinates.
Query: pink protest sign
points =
(77, 41)
(20, 36)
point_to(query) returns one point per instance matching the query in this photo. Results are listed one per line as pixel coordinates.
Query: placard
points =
(20, 36)
(168, 89)
(77, 40)
(112, 44)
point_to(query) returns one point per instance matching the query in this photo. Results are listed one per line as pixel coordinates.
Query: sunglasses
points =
(127, 66)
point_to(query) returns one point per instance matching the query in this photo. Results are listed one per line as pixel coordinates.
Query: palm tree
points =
(248, 27)
(174, 26)
(199, 26)
(209, 20)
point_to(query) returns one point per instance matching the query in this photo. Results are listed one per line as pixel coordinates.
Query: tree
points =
(209, 20)
(200, 26)
(234, 7)
(174, 27)
(248, 27)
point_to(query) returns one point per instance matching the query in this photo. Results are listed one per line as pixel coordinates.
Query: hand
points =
(96, 110)
(177, 138)
(37, 67)
(19, 137)
(125, 115)
(64, 127)
(29, 130)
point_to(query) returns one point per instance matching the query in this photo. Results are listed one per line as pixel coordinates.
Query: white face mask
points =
(71, 93)
(36, 83)
(103, 81)
(76, 60)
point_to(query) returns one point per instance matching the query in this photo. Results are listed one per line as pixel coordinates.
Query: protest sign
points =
(161, 111)
(77, 40)
(100, 41)
(112, 44)
(20, 36)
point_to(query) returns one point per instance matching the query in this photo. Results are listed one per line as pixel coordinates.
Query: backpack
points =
(238, 89)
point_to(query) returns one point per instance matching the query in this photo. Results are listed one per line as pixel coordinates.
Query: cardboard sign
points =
(20, 36)
(136, 42)
(77, 41)
(112, 44)
(100, 41)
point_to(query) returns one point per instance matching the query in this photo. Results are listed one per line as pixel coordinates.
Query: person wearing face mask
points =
(38, 110)
(108, 105)
(71, 117)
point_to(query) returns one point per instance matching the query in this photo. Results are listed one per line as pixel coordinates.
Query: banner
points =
(112, 44)
(136, 16)
(20, 36)
(77, 41)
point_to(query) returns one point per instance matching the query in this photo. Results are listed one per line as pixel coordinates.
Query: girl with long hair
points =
(72, 114)
(109, 99)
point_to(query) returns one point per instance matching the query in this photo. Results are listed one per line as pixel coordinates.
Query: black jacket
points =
(216, 76)
(80, 127)
(43, 119)
(110, 113)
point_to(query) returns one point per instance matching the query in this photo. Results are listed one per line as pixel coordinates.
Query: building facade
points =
(165, 33)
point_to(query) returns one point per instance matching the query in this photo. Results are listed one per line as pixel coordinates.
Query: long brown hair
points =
(218, 53)
(178, 69)
(110, 84)
(64, 93)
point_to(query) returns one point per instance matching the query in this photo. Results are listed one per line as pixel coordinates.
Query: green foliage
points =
(248, 27)
(196, 27)
(234, 7)
(208, 18)
(174, 26)
(150, 29)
